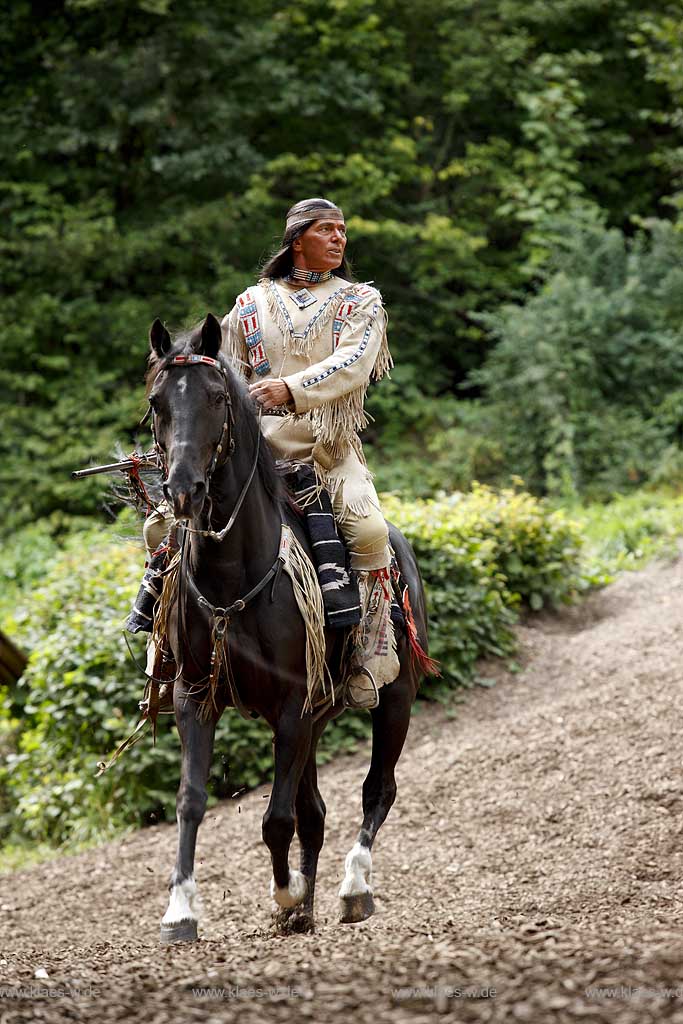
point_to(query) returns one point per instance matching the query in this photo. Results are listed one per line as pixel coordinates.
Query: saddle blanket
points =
(338, 582)
(339, 585)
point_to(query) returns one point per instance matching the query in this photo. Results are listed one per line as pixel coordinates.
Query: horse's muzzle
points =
(185, 498)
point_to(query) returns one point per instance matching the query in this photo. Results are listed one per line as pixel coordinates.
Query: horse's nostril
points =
(185, 497)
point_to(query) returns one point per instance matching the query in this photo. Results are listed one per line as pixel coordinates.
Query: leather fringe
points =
(301, 344)
(336, 423)
(168, 596)
(309, 600)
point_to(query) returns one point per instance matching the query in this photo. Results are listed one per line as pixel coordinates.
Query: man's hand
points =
(270, 393)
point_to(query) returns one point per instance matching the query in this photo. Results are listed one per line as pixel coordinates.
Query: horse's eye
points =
(219, 399)
(154, 403)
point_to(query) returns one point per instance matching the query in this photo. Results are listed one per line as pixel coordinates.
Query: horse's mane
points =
(187, 342)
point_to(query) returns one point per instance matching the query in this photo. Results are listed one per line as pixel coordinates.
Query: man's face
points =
(321, 247)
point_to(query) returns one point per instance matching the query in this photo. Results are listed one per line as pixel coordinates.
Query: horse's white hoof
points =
(293, 894)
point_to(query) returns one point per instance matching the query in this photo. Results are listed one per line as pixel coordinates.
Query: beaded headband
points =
(316, 211)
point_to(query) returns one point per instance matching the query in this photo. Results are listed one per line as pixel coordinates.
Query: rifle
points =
(136, 462)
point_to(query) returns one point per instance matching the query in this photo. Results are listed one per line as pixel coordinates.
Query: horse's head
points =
(189, 393)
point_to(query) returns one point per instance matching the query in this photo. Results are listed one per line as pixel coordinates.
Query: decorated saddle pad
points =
(338, 583)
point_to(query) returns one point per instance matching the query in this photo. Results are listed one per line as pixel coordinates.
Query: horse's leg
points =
(179, 923)
(292, 745)
(310, 828)
(390, 722)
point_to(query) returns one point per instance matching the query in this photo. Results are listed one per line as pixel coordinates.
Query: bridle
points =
(227, 433)
(219, 617)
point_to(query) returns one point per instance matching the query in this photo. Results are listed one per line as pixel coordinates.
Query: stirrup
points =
(368, 696)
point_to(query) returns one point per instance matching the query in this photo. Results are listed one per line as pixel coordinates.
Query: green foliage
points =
(152, 148)
(31, 552)
(470, 612)
(585, 378)
(459, 438)
(657, 39)
(629, 530)
(481, 555)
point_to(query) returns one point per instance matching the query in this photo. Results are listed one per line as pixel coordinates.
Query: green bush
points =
(459, 437)
(585, 378)
(481, 555)
(78, 700)
(629, 530)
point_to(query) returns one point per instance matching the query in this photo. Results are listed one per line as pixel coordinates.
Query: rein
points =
(220, 619)
(219, 535)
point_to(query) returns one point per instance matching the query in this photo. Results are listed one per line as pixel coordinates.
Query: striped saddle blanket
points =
(338, 583)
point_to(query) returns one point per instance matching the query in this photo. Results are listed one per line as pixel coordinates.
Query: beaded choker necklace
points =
(299, 276)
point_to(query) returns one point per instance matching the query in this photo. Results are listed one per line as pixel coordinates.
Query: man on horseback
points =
(308, 340)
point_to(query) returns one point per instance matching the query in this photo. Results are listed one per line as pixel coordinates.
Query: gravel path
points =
(529, 871)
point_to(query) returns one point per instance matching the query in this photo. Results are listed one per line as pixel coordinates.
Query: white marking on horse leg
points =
(358, 868)
(184, 903)
(293, 894)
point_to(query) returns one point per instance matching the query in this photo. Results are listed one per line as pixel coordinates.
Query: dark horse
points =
(219, 469)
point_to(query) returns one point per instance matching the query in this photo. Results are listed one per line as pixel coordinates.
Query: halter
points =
(194, 359)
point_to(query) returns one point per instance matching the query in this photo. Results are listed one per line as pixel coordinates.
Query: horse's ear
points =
(211, 336)
(159, 339)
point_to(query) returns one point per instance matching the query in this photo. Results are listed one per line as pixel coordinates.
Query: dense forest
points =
(510, 172)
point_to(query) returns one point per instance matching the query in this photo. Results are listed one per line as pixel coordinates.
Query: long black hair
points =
(281, 261)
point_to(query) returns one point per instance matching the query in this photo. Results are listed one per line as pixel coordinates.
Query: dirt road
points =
(529, 871)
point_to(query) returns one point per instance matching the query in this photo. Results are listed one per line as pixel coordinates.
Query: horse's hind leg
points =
(390, 722)
(292, 745)
(310, 827)
(179, 923)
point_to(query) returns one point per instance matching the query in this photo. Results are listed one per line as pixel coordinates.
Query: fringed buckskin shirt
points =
(327, 353)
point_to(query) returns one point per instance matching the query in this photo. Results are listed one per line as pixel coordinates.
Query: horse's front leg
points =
(292, 743)
(179, 923)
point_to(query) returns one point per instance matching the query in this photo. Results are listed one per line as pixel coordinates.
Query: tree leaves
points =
(152, 149)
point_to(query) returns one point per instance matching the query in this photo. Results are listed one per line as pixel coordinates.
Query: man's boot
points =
(374, 661)
(141, 618)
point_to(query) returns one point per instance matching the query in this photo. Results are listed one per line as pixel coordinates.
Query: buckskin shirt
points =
(327, 341)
